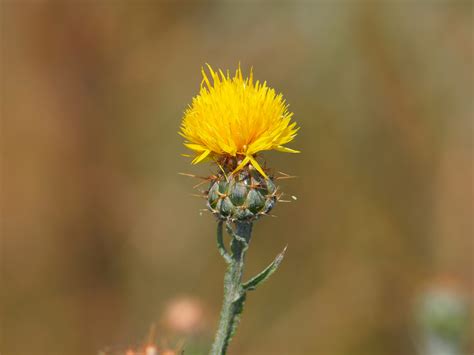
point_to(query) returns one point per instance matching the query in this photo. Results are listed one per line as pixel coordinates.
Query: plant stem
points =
(234, 293)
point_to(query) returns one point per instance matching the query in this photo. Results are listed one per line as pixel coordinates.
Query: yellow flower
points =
(236, 117)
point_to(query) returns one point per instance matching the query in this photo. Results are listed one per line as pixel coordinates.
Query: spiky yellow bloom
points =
(236, 117)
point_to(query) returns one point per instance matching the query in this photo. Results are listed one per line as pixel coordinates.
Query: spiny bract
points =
(243, 196)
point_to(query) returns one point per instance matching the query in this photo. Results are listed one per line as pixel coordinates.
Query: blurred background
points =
(101, 238)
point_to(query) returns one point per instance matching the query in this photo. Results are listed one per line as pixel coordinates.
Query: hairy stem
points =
(234, 293)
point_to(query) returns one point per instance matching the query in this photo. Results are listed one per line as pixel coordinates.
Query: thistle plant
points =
(229, 123)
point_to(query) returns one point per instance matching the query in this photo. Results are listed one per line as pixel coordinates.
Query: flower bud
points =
(243, 196)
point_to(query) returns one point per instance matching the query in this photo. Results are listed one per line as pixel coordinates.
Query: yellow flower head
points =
(236, 117)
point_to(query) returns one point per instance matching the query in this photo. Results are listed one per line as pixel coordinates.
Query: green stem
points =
(234, 293)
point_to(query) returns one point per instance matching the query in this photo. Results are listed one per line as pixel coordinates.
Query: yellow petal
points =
(257, 166)
(235, 115)
(281, 148)
(201, 157)
(244, 162)
(195, 147)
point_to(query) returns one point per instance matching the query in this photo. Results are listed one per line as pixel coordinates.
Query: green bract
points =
(243, 196)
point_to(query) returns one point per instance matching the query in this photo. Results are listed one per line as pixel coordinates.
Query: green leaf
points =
(265, 274)
(234, 235)
(220, 244)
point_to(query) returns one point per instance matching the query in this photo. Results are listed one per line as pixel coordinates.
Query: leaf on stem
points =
(220, 244)
(265, 274)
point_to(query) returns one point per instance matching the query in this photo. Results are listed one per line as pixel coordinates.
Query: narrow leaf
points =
(220, 244)
(265, 274)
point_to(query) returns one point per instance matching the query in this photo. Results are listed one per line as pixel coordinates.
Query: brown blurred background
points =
(100, 234)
